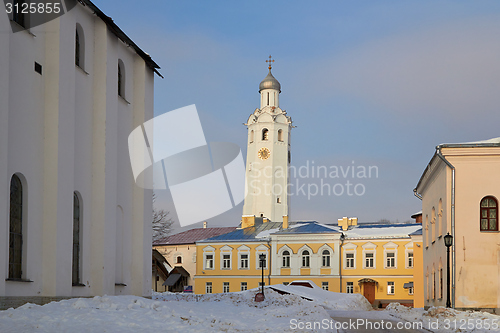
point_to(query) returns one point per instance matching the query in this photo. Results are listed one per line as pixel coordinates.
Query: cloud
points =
(449, 70)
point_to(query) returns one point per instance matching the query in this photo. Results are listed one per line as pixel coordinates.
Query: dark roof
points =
(246, 234)
(310, 227)
(193, 235)
(250, 234)
(122, 36)
(416, 233)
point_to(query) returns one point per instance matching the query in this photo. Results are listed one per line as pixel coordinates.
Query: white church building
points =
(73, 223)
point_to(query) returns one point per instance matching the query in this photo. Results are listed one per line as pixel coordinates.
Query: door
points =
(369, 291)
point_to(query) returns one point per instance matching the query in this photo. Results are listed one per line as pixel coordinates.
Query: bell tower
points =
(268, 155)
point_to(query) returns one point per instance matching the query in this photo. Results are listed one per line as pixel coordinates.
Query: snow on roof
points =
(494, 141)
(382, 231)
(266, 233)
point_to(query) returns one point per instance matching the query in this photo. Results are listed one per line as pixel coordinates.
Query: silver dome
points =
(270, 82)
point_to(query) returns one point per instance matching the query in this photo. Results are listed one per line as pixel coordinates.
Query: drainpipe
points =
(270, 263)
(453, 274)
(342, 237)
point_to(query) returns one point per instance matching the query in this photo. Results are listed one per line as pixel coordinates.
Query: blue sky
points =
(380, 83)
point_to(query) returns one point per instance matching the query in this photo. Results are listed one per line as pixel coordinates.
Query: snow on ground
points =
(444, 320)
(230, 312)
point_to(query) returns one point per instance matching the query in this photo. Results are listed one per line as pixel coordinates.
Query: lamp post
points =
(262, 258)
(342, 238)
(448, 241)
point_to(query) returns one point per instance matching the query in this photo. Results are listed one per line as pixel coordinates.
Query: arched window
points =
(280, 135)
(326, 258)
(251, 136)
(76, 240)
(440, 218)
(286, 259)
(79, 47)
(489, 213)
(305, 258)
(121, 79)
(16, 228)
(179, 260)
(265, 134)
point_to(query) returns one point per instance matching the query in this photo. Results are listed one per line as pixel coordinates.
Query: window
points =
(179, 260)
(409, 259)
(244, 261)
(433, 225)
(410, 291)
(489, 212)
(349, 260)
(209, 261)
(280, 135)
(369, 260)
(286, 259)
(286, 283)
(243, 286)
(350, 287)
(324, 285)
(16, 228)
(390, 288)
(262, 284)
(326, 258)
(76, 240)
(17, 13)
(441, 283)
(265, 134)
(79, 47)
(440, 217)
(226, 261)
(225, 287)
(433, 283)
(390, 260)
(121, 79)
(305, 258)
(251, 136)
(208, 287)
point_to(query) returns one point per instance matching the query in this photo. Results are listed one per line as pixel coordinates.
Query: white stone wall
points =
(64, 131)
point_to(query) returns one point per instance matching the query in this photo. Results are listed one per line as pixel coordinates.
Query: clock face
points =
(264, 153)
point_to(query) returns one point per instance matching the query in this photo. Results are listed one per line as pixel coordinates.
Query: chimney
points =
(285, 222)
(205, 225)
(346, 222)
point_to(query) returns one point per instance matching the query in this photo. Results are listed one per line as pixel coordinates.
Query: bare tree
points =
(162, 224)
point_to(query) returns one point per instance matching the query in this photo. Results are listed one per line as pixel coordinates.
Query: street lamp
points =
(262, 258)
(448, 242)
(342, 238)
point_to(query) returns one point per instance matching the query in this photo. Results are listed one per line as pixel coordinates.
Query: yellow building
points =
(459, 190)
(376, 260)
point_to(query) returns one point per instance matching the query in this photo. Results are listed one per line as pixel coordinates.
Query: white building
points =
(268, 156)
(74, 224)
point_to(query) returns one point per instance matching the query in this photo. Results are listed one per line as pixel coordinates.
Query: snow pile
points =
(230, 312)
(441, 319)
(328, 299)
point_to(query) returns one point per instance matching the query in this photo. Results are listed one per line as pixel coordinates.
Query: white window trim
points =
(248, 259)
(224, 284)
(345, 259)
(258, 250)
(374, 259)
(208, 251)
(241, 286)
(391, 248)
(211, 288)
(347, 285)
(393, 287)
(407, 257)
(320, 254)
(280, 256)
(323, 283)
